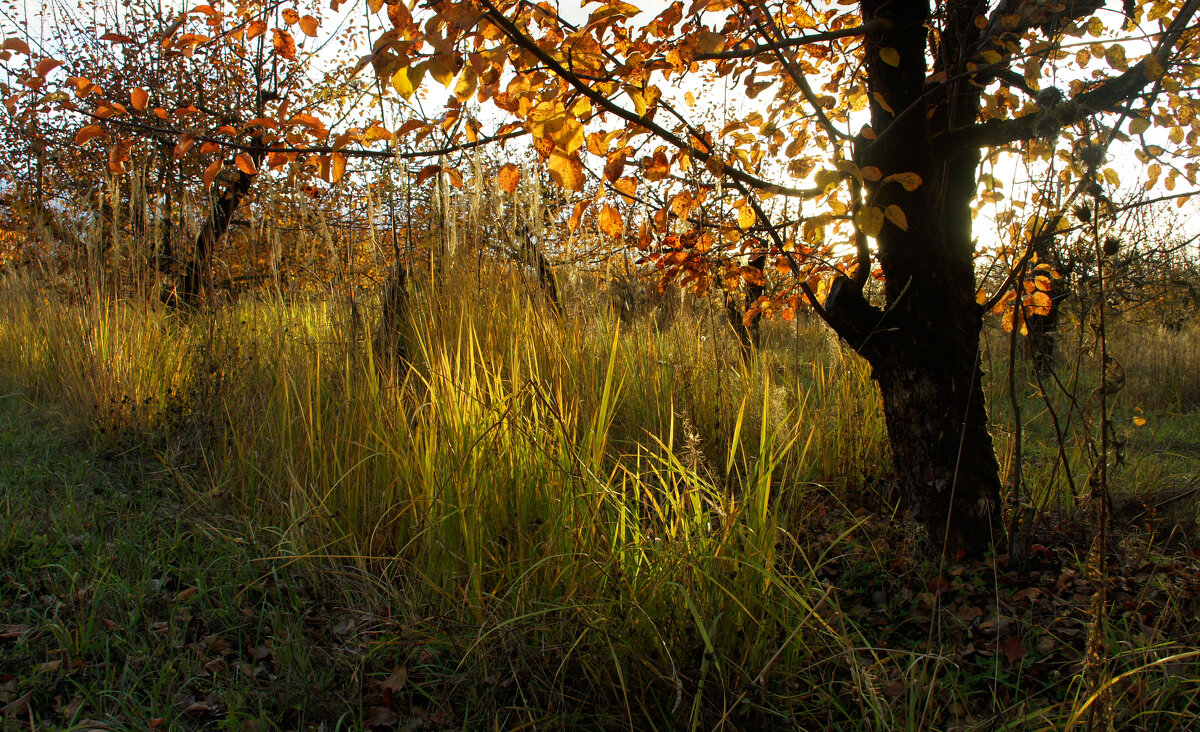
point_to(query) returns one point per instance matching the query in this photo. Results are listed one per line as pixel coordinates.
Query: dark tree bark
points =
(388, 344)
(197, 275)
(924, 346)
(738, 304)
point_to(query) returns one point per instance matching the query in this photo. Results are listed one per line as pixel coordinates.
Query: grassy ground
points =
(125, 608)
(544, 525)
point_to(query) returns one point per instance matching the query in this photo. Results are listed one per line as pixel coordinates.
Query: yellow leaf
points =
(870, 220)
(443, 67)
(402, 83)
(895, 214)
(570, 137)
(1138, 125)
(710, 42)
(1111, 177)
(992, 57)
(610, 221)
(910, 181)
(1153, 69)
(627, 187)
(1139, 421)
(889, 56)
(1115, 55)
(466, 84)
(746, 217)
(566, 170)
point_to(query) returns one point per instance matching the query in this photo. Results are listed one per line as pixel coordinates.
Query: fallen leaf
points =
(395, 682)
(379, 717)
(1013, 648)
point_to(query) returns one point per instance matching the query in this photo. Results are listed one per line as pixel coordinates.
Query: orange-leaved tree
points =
(858, 121)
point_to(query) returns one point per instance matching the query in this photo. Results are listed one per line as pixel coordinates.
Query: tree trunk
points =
(197, 276)
(923, 346)
(932, 391)
(738, 304)
(391, 357)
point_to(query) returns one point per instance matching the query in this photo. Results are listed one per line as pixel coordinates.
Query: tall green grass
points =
(611, 495)
(607, 512)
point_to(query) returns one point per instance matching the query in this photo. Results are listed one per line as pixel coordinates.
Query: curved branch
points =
(872, 26)
(1109, 96)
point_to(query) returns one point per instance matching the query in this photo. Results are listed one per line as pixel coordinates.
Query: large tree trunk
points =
(924, 345)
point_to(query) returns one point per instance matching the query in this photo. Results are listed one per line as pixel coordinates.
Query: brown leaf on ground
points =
(379, 717)
(1013, 648)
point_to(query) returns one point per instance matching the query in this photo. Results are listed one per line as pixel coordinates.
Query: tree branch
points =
(1109, 96)
(872, 26)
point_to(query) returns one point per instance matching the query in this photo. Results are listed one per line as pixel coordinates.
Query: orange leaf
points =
(88, 133)
(116, 38)
(46, 65)
(255, 29)
(16, 45)
(610, 221)
(245, 164)
(455, 177)
(291, 17)
(307, 120)
(309, 25)
(577, 215)
(509, 178)
(186, 140)
(117, 155)
(210, 173)
(139, 98)
(427, 172)
(399, 15)
(284, 44)
(910, 181)
(338, 167)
